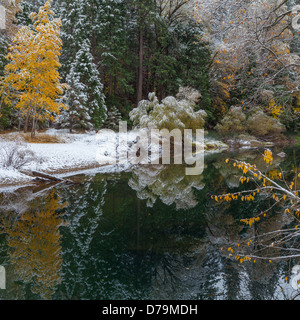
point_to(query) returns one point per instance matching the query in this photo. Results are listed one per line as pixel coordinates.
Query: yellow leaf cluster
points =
(268, 157)
(249, 197)
(251, 221)
(274, 174)
(274, 109)
(31, 76)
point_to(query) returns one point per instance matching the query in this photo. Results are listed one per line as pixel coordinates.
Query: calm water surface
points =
(148, 234)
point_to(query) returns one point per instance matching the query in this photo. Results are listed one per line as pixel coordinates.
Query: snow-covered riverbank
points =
(73, 154)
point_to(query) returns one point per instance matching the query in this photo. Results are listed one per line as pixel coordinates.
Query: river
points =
(152, 233)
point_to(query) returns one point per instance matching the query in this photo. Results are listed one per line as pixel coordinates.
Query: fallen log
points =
(46, 176)
(51, 178)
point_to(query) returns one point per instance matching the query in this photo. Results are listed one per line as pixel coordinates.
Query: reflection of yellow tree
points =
(36, 247)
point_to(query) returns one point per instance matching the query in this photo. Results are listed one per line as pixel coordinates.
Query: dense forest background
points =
(117, 51)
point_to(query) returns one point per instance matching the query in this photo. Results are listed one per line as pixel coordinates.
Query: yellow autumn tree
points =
(32, 81)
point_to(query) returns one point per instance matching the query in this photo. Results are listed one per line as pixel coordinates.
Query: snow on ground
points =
(95, 152)
(76, 152)
(12, 176)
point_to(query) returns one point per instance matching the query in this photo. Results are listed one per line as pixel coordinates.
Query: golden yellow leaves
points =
(227, 197)
(238, 256)
(249, 197)
(274, 109)
(31, 76)
(244, 179)
(274, 174)
(280, 193)
(250, 221)
(245, 258)
(268, 157)
(42, 17)
(34, 240)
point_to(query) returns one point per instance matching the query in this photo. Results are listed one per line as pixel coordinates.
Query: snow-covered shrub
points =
(170, 114)
(256, 122)
(190, 94)
(15, 154)
(261, 124)
(234, 121)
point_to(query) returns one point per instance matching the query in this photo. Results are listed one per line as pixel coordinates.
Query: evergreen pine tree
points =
(112, 48)
(107, 28)
(85, 96)
(28, 6)
(5, 109)
(73, 31)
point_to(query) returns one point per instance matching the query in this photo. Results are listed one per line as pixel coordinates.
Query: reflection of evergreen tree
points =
(108, 253)
(84, 215)
(99, 257)
(232, 281)
(264, 278)
(115, 247)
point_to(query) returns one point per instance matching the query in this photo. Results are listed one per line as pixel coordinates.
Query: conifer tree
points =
(73, 31)
(12, 8)
(112, 50)
(85, 96)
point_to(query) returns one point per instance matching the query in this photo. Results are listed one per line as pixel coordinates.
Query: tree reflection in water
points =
(168, 183)
(34, 242)
(117, 247)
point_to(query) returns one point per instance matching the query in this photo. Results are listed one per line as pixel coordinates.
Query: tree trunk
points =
(33, 127)
(46, 176)
(26, 123)
(141, 58)
(71, 123)
(93, 40)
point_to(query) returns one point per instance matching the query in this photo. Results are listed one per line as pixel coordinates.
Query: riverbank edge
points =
(221, 145)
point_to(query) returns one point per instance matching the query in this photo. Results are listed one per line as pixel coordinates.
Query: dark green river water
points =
(153, 233)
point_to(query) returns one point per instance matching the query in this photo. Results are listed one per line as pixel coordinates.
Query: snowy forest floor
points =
(71, 153)
(62, 154)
